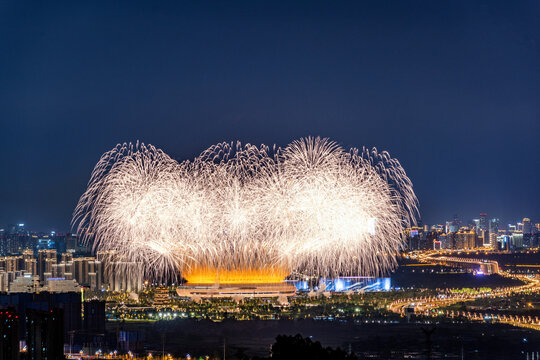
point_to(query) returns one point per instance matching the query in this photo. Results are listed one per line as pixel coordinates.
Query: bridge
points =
(480, 266)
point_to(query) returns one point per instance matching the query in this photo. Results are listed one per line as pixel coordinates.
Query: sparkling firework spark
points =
(241, 213)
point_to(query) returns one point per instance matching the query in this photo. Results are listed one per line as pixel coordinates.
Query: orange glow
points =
(234, 276)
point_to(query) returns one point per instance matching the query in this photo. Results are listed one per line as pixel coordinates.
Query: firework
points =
(242, 213)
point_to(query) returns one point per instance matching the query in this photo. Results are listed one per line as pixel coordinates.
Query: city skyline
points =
(464, 221)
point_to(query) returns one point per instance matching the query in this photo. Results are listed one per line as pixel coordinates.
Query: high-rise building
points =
(70, 241)
(29, 263)
(414, 235)
(465, 239)
(454, 225)
(69, 302)
(504, 242)
(45, 261)
(9, 334)
(494, 226)
(15, 238)
(107, 258)
(482, 223)
(94, 317)
(12, 263)
(482, 238)
(28, 254)
(493, 233)
(45, 334)
(87, 271)
(4, 281)
(528, 239)
(476, 223)
(126, 277)
(59, 270)
(68, 270)
(94, 274)
(118, 275)
(445, 240)
(30, 266)
(527, 227)
(516, 240)
(493, 244)
(67, 257)
(80, 270)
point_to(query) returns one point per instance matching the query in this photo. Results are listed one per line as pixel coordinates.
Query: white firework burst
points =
(310, 207)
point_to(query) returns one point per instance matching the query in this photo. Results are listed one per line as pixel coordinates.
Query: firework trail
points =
(247, 213)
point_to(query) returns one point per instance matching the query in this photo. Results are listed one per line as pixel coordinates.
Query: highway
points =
(428, 306)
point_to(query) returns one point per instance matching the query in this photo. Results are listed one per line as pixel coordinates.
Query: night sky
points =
(452, 90)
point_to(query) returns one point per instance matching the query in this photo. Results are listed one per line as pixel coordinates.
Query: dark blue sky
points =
(452, 90)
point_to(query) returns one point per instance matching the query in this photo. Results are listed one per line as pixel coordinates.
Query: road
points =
(428, 306)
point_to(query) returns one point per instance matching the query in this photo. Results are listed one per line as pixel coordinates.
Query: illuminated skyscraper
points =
(30, 264)
(516, 240)
(527, 227)
(454, 225)
(493, 233)
(13, 263)
(477, 224)
(465, 239)
(494, 225)
(483, 225)
(527, 232)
